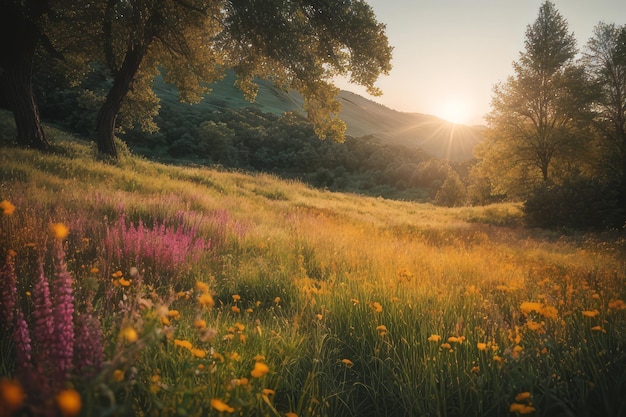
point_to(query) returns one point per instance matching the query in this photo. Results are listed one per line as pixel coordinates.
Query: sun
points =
(455, 110)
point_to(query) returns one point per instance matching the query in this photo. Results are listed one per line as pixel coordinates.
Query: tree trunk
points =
(122, 83)
(18, 89)
(16, 70)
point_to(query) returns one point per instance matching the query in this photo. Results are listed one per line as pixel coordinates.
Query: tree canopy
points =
(299, 45)
(537, 114)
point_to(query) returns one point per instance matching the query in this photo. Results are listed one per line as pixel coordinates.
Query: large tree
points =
(21, 34)
(605, 59)
(536, 124)
(299, 44)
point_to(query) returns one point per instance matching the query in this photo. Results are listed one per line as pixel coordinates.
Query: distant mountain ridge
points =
(363, 117)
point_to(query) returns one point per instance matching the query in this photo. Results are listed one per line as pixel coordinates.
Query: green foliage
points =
(537, 121)
(299, 45)
(452, 192)
(577, 203)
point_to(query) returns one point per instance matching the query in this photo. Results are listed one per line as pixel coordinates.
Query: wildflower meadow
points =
(139, 289)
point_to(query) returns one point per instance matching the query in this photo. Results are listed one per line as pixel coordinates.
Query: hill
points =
(363, 117)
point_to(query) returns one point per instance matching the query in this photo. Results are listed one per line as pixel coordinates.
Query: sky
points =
(448, 54)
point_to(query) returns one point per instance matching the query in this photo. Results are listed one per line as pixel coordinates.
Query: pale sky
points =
(455, 51)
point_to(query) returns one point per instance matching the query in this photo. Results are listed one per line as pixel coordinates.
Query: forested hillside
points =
(273, 135)
(363, 117)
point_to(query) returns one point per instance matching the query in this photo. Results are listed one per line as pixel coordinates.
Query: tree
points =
(21, 34)
(536, 125)
(605, 59)
(299, 44)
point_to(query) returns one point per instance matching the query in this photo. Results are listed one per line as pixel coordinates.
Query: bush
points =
(578, 203)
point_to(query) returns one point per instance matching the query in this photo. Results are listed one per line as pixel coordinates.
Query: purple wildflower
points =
(63, 305)
(88, 345)
(21, 337)
(43, 317)
(162, 247)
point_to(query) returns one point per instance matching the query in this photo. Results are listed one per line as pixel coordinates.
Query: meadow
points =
(136, 288)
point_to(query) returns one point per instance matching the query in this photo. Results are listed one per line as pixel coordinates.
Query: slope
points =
(363, 117)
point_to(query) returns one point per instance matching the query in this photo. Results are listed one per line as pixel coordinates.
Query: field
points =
(157, 290)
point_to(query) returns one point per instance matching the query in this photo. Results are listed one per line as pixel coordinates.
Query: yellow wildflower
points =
(218, 356)
(198, 353)
(481, 346)
(355, 301)
(434, 338)
(59, 230)
(590, 313)
(124, 282)
(221, 406)
(235, 309)
(527, 307)
(522, 396)
(69, 402)
(236, 297)
(319, 316)
(118, 375)
(199, 324)
(129, 334)
(549, 312)
(455, 339)
(6, 207)
(11, 395)
(617, 305)
(239, 326)
(348, 363)
(446, 346)
(521, 408)
(260, 369)
(259, 358)
(202, 287)
(206, 300)
(173, 314)
(290, 414)
(267, 391)
(598, 329)
(234, 356)
(183, 343)
(377, 307)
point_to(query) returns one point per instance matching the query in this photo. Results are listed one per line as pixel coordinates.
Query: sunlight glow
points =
(455, 110)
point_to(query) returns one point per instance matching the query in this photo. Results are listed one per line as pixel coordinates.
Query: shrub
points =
(578, 203)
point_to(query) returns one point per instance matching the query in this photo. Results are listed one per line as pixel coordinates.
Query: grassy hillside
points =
(190, 291)
(363, 117)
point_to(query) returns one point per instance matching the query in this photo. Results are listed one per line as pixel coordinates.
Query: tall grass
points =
(216, 293)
